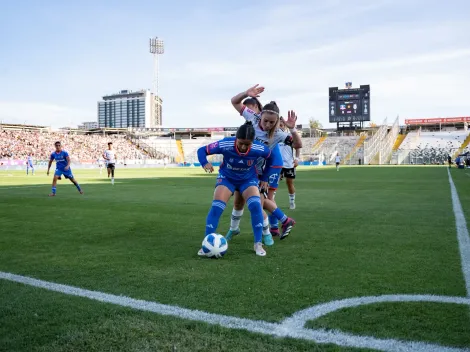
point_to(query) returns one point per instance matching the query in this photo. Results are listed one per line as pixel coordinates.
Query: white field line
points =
(292, 327)
(462, 234)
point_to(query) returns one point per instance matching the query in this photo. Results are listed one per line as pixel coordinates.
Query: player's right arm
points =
(51, 159)
(237, 100)
(206, 150)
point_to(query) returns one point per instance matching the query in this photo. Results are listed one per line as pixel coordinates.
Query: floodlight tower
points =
(156, 48)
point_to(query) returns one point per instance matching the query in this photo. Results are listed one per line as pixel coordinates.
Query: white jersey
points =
(110, 156)
(337, 159)
(287, 153)
(262, 136)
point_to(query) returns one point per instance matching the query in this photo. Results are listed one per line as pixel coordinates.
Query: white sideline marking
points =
(462, 234)
(292, 327)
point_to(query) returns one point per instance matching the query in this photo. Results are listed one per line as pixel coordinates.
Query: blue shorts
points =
(273, 182)
(236, 185)
(66, 173)
(30, 166)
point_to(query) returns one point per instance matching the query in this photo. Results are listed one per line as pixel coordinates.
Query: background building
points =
(88, 125)
(130, 109)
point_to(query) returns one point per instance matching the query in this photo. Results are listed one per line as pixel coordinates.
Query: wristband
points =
(292, 130)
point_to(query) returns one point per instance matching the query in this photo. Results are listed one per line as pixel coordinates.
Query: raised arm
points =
(253, 92)
(290, 123)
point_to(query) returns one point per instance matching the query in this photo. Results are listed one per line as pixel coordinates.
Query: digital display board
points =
(349, 105)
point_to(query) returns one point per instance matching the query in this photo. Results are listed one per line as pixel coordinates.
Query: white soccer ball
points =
(214, 245)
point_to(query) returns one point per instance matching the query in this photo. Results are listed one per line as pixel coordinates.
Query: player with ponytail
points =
(266, 124)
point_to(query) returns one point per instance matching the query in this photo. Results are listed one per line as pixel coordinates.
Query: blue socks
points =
(273, 222)
(279, 215)
(53, 189)
(254, 205)
(78, 187)
(212, 221)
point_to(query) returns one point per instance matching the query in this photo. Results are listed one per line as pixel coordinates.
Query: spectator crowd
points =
(20, 144)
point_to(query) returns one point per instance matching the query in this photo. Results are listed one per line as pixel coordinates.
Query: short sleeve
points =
(249, 115)
(52, 156)
(288, 140)
(213, 148)
(66, 154)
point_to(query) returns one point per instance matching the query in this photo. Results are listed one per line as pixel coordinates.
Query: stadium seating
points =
(18, 144)
(333, 145)
(430, 147)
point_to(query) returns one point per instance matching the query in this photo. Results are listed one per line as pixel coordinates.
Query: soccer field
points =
(125, 256)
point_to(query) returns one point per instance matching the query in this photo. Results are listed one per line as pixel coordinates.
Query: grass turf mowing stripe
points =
(286, 329)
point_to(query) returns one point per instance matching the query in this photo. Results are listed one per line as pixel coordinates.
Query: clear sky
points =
(58, 58)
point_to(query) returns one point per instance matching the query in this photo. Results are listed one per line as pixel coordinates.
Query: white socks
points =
(266, 226)
(292, 198)
(235, 221)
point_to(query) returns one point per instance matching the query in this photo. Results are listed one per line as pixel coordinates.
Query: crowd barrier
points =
(14, 164)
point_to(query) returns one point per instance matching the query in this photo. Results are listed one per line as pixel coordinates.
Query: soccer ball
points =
(214, 245)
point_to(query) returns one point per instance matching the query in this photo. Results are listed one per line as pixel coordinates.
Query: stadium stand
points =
(430, 147)
(333, 145)
(18, 144)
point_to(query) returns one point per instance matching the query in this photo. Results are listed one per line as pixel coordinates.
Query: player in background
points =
(337, 161)
(289, 165)
(62, 161)
(29, 164)
(266, 123)
(110, 156)
(238, 173)
(100, 164)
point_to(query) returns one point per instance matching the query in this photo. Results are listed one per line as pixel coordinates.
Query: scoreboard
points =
(349, 105)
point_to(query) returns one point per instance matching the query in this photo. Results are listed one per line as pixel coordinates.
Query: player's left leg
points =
(287, 222)
(273, 221)
(112, 173)
(68, 174)
(290, 177)
(54, 183)
(253, 200)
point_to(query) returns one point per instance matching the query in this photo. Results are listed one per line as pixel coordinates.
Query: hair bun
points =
(249, 123)
(273, 102)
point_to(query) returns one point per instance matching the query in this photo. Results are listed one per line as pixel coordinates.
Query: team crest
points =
(249, 162)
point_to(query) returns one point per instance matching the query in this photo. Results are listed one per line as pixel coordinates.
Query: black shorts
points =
(337, 164)
(288, 172)
(111, 166)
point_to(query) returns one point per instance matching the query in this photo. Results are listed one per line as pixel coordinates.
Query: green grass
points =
(361, 231)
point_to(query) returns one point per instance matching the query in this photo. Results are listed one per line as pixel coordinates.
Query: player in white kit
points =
(266, 123)
(289, 165)
(337, 161)
(110, 156)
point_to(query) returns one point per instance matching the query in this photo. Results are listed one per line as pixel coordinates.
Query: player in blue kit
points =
(238, 173)
(29, 165)
(62, 160)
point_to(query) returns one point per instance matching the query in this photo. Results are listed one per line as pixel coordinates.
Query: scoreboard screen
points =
(349, 105)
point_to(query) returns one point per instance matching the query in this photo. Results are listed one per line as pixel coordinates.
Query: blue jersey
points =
(30, 160)
(60, 159)
(238, 166)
